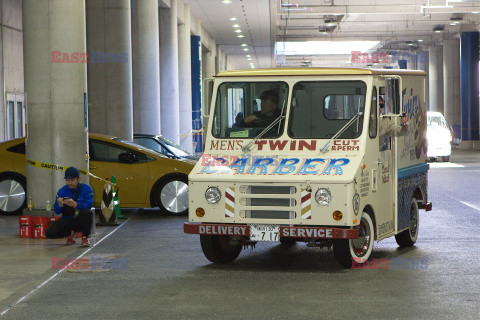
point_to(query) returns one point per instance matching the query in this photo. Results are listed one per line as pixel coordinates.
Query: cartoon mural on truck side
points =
(416, 143)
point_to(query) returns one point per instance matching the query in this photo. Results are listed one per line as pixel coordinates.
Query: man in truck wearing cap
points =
(73, 201)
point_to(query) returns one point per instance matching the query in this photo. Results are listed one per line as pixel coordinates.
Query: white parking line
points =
(60, 271)
(470, 205)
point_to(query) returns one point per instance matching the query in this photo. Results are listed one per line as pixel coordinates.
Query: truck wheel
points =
(12, 194)
(219, 249)
(348, 251)
(407, 238)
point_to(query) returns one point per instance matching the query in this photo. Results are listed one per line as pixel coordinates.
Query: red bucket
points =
(26, 226)
(40, 225)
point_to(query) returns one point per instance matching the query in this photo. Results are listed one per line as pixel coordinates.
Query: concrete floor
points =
(164, 274)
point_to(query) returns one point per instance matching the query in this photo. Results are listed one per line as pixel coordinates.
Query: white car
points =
(439, 137)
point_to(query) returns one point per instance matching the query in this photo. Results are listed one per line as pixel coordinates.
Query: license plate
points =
(264, 232)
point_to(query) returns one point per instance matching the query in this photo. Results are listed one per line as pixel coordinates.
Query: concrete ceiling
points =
(398, 25)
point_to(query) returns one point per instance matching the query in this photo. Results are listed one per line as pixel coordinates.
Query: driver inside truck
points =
(268, 113)
(387, 127)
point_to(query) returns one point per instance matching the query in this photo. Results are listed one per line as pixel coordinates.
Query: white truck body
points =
(267, 187)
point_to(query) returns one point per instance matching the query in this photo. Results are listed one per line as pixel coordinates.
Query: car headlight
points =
(323, 196)
(213, 195)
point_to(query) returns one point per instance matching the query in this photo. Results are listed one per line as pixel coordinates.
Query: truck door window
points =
(392, 96)
(322, 108)
(372, 124)
(244, 109)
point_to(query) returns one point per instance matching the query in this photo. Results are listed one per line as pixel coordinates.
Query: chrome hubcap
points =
(360, 245)
(413, 222)
(12, 195)
(174, 196)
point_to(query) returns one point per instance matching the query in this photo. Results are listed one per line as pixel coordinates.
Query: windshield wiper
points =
(246, 148)
(345, 127)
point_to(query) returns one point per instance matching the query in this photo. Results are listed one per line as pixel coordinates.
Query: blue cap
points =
(72, 173)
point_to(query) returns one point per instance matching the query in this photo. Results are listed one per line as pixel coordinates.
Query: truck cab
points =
(315, 155)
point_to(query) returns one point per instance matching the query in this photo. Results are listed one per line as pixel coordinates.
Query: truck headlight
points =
(323, 196)
(213, 195)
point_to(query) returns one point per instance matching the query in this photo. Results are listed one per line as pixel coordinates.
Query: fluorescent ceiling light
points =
(322, 47)
(475, 12)
(245, 49)
(420, 40)
(236, 26)
(238, 31)
(240, 36)
(248, 56)
(227, 1)
(233, 19)
(243, 44)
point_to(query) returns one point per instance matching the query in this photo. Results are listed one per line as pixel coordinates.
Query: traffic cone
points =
(107, 217)
(116, 200)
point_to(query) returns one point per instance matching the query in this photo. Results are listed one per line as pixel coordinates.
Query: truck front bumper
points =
(310, 232)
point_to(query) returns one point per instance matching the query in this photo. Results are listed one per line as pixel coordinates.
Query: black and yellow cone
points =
(107, 216)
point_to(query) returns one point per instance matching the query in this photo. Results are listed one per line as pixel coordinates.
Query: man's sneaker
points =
(85, 242)
(70, 240)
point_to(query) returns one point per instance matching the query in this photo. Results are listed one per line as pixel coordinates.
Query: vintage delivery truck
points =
(317, 155)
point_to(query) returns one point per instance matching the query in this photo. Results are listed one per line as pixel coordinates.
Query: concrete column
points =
(224, 61)
(411, 62)
(208, 72)
(185, 81)
(469, 88)
(54, 34)
(110, 67)
(169, 94)
(451, 80)
(145, 66)
(210, 63)
(435, 79)
(217, 57)
(422, 61)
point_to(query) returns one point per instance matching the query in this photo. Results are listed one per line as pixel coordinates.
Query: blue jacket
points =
(84, 201)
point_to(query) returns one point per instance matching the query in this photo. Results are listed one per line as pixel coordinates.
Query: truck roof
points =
(317, 72)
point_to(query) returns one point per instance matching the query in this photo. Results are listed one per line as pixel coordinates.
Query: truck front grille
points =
(268, 202)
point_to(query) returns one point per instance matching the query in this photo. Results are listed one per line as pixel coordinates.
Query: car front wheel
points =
(172, 195)
(12, 194)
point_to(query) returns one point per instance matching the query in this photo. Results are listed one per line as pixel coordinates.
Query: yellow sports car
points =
(145, 178)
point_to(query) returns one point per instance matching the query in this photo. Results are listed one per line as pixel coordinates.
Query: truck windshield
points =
(244, 109)
(319, 109)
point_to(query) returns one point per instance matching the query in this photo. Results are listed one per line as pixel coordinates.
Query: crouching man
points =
(74, 201)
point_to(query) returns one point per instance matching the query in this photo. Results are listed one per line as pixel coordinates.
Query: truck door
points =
(384, 187)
